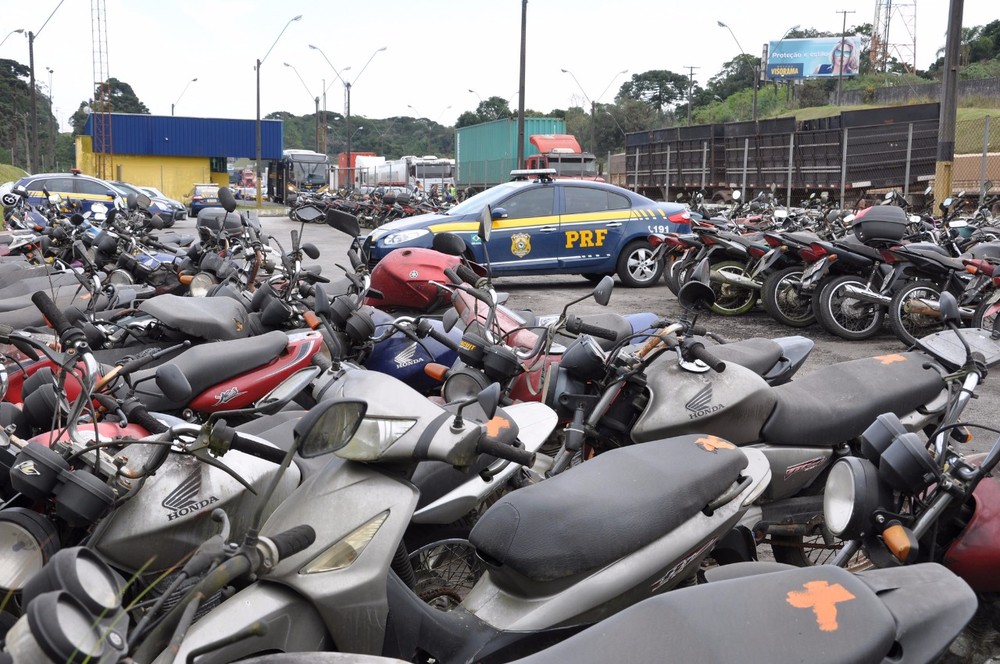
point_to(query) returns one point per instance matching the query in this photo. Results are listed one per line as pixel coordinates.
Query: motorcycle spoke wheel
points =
(784, 299)
(732, 300)
(986, 316)
(445, 572)
(808, 550)
(908, 324)
(845, 315)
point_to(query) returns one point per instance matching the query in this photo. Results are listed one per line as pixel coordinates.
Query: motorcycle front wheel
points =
(445, 565)
(908, 324)
(784, 299)
(846, 316)
(730, 299)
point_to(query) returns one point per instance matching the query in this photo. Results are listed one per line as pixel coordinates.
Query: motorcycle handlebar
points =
(698, 351)
(136, 413)
(467, 274)
(452, 276)
(266, 452)
(501, 450)
(64, 329)
(356, 261)
(293, 540)
(576, 326)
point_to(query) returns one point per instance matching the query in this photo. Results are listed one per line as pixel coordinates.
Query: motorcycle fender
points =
(292, 625)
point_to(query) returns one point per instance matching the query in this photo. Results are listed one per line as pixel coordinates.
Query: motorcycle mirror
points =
(21, 191)
(131, 202)
(308, 213)
(329, 426)
(737, 195)
(287, 390)
(227, 199)
(76, 219)
(486, 224)
(173, 383)
(696, 295)
(961, 194)
(344, 222)
(310, 250)
(949, 308)
(602, 292)
(448, 243)
(449, 319)
(275, 314)
(156, 222)
(143, 201)
(824, 195)
(322, 302)
(946, 203)
(489, 400)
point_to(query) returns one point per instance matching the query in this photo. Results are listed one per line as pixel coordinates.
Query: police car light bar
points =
(526, 173)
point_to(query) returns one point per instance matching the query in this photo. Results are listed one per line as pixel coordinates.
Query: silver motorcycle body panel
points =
(793, 468)
(656, 568)
(168, 518)
(733, 404)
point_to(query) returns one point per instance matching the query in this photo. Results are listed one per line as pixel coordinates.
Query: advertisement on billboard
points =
(814, 58)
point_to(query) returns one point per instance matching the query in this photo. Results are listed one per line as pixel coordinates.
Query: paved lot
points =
(551, 293)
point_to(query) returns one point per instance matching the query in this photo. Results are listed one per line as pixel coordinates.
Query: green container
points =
(486, 153)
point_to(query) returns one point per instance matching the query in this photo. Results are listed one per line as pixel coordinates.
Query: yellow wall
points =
(174, 176)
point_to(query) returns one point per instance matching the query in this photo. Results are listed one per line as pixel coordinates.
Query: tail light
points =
(682, 217)
(772, 240)
(656, 240)
(889, 257)
(197, 198)
(996, 282)
(708, 239)
(812, 253)
(756, 252)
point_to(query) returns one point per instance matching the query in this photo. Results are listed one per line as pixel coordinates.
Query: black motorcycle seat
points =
(856, 625)
(989, 250)
(838, 402)
(852, 245)
(604, 509)
(435, 479)
(757, 354)
(201, 317)
(210, 364)
(932, 253)
(803, 238)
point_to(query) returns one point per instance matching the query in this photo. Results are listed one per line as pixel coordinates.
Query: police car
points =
(543, 225)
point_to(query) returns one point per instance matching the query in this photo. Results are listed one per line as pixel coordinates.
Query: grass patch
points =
(10, 173)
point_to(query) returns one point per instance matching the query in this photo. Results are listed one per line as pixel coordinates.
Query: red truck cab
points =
(562, 152)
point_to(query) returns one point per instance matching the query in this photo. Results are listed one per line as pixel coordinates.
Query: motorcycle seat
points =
(989, 250)
(838, 402)
(851, 245)
(802, 238)
(210, 364)
(582, 520)
(201, 317)
(757, 354)
(931, 253)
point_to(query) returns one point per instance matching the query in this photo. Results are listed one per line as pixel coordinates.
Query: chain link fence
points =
(977, 155)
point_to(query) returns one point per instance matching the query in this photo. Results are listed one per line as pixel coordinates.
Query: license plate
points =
(811, 274)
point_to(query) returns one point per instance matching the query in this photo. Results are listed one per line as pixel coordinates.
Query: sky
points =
(436, 51)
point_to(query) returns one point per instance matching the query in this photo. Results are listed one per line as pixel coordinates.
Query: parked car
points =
(202, 196)
(75, 188)
(547, 226)
(160, 206)
(180, 210)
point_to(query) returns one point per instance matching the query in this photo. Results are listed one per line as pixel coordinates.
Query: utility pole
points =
(949, 98)
(520, 88)
(690, 87)
(843, 34)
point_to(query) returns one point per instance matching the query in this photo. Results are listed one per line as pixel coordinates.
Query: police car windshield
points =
(475, 204)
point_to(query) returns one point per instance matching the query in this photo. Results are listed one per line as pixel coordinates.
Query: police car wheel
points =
(636, 266)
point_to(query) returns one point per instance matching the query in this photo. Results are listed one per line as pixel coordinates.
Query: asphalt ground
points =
(549, 294)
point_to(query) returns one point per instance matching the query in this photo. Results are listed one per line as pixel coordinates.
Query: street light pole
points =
(52, 109)
(260, 61)
(754, 70)
(308, 92)
(34, 95)
(347, 97)
(193, 80)
(12, 32)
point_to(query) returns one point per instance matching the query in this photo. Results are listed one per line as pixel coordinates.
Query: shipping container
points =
(486, 153)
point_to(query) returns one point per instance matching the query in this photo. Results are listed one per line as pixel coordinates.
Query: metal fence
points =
(977, 155)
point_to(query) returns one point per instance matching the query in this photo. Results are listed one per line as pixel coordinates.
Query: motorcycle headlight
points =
(120, 278)
(201, 283)
(852, 493)
(463, 384)
(373, 437)
(404, 236)
(29, 540)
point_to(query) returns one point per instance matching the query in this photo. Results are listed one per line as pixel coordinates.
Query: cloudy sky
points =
(436, 50)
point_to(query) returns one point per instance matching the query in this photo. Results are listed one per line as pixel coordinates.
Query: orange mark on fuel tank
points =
(822, 598)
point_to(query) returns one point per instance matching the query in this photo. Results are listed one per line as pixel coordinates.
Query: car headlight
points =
(376, 234)
(851, 494)
(374, 436)
(200, 284)
(404, 236)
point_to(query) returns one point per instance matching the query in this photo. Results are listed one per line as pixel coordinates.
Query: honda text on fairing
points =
(546, 226)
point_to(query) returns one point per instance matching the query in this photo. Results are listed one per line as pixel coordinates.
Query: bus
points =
(297, 171)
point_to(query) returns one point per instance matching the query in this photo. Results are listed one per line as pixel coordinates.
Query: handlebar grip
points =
(49, 309)
(136, 413)
(698, 330)
(249, 446)
(356, 261)
(452, 276)
(699, 352)
(467, 274)
(293, 541)
(501, 450)
(577, 326)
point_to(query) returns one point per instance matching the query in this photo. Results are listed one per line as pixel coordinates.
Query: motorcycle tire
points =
(731, 300)
(907, 326)
(847, 317)
(635, 269)
(445, 565)
(783, 299)
(986, 314)
(673, 271)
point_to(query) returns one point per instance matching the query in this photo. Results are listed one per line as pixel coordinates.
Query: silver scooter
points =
(560, 555)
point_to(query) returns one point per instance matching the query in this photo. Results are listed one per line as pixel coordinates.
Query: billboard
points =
(813, 58)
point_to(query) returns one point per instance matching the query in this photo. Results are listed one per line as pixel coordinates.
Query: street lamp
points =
(193, 80)
(260, 61)
(753, 70)
(52, 109)
(347, 93)
(34, 96)
(477, 95)
(18, 31)
(315, 99)
(593, 103)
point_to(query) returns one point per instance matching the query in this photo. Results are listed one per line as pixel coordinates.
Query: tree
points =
(660, 88)
(119, 97)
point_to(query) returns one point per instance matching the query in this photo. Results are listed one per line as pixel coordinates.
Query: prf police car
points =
(547, 226)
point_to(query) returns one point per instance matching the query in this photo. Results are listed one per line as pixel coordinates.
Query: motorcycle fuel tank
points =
(403, 278)
(405, 359)
(733, 404)
(170, 515)
(975, 553)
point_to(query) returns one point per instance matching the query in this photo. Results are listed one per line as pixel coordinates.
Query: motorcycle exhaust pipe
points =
(866, 295)
(734, 279)
(932, 308)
